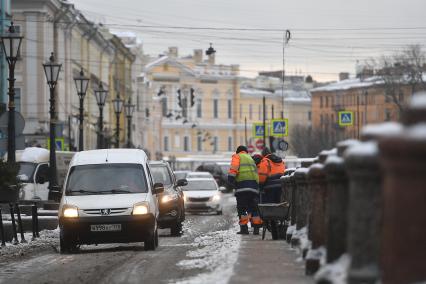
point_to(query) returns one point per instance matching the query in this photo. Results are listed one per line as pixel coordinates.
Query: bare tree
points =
(400, 70)
(308, 142)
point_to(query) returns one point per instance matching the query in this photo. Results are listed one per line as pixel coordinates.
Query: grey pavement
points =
(268, 261)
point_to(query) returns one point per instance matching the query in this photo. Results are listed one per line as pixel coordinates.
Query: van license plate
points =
(105, 228)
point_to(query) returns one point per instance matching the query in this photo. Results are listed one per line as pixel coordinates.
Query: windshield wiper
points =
(83, 191)
(115, 191)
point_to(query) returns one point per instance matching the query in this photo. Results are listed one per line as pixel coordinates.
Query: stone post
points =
(364, 212)
(403, 159)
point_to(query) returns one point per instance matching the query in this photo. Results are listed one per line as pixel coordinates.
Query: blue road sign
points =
(279, 127)
(346, 118)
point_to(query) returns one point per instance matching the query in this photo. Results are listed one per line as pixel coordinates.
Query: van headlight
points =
(168, 198)
(70, 211)
(216, 198)
(140, 208)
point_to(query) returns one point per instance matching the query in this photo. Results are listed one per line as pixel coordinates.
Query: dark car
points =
(171, 201)
(219, 172)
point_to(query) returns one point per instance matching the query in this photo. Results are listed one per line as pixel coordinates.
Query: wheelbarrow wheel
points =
(263, 232)
(274, 230)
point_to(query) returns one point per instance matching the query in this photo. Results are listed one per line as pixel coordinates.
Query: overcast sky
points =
(328, 36)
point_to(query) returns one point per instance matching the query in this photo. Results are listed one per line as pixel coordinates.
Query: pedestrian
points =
(270, 169)
(244, 178)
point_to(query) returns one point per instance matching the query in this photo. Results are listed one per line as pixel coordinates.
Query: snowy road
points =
(205, 253)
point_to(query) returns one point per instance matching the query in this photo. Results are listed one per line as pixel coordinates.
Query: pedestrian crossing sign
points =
(279, 127)
(346, 118)
(258, 130)
(59, 143)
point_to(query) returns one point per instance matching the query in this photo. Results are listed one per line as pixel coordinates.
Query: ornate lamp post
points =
(11, 43)
(51, 70)
(101, 95)
(129, 108)
(118, 108)
(81, 83)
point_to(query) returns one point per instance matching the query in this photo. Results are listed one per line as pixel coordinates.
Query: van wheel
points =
(150, 243)
(176, 229)
(66, 245)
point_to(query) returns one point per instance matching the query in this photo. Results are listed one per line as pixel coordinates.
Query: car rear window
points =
(106, 179)
(200, 185)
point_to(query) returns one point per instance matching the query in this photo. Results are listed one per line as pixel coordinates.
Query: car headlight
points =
(140, 208)
(168, 198)
(216, 197)
(70, 211)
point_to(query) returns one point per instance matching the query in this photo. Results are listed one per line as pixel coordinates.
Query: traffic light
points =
(179, 99)
(192, 97)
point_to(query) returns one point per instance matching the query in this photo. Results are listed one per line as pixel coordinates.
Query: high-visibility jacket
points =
(243, 171)
(271, 168)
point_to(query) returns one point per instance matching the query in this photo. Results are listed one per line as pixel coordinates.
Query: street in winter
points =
(204, 142)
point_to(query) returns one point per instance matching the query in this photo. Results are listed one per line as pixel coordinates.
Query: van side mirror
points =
(182, 182)
(222, 189)
(158, 188)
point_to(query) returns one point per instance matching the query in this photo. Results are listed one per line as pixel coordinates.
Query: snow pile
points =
(418, 100)
(319, 253)
(217, 252)
(335, 273)
(302, 236)
(290, 230)
(48, 238)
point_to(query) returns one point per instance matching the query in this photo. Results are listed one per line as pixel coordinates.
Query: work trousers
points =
(271, 195)
(247, 207)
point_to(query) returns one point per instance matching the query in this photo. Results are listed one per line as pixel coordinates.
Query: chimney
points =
(343, 76)
(173, 51)
(198, 55)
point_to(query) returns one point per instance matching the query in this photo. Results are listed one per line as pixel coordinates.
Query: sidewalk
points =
(268, 261)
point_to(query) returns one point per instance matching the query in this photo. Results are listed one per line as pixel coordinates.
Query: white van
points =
(34, 171)
(109, 197)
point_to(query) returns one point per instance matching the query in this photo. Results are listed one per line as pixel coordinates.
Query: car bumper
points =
(202, 206)
(169, 214)
(133, 229)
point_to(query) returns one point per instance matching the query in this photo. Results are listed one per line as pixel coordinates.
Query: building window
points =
(164, 106)
(326, 101)
(250, 111)
(401, 97)
(199, 143)
(215, 108)
(321, 119)
(17, 99)
(320, 102)
(230, 146)
(229, 109)
(166, 143)
(199, 109)
(387, 114)
(309, 115)
(186, 144)
(215, 144)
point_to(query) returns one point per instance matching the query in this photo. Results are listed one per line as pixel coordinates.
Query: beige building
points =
(190, 105)
(56, 26)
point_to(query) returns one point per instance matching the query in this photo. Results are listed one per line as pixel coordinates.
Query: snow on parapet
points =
(382, 129)
(363, 149)
(418, 100)
(416, 132)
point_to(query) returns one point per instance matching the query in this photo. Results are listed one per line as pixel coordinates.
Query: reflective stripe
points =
(232, 175)
(244, 219)
(247, 189)
(255, 220)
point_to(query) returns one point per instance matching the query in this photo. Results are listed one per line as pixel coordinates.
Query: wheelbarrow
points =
(274, 217)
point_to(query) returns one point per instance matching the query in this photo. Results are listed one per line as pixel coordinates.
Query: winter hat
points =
(241, 148)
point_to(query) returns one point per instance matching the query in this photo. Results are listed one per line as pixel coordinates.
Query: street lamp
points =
(81, 83)
(101, 95)
(11, 43)
(51, 70)
(129, 108)
(118, 108)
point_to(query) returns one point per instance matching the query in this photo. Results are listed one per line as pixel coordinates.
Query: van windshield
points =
(26, 171)
(106, 179)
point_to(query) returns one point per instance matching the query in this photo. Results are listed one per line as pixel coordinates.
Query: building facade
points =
(79, 44)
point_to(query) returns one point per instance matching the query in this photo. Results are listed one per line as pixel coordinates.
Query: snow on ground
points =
(48, 238)
(216, 252)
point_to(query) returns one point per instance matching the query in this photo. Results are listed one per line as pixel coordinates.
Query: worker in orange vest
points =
(243, 176)
(270, 170)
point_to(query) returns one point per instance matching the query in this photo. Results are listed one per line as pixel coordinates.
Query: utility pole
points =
(245, 130)
(264, 120)
(286, 39)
